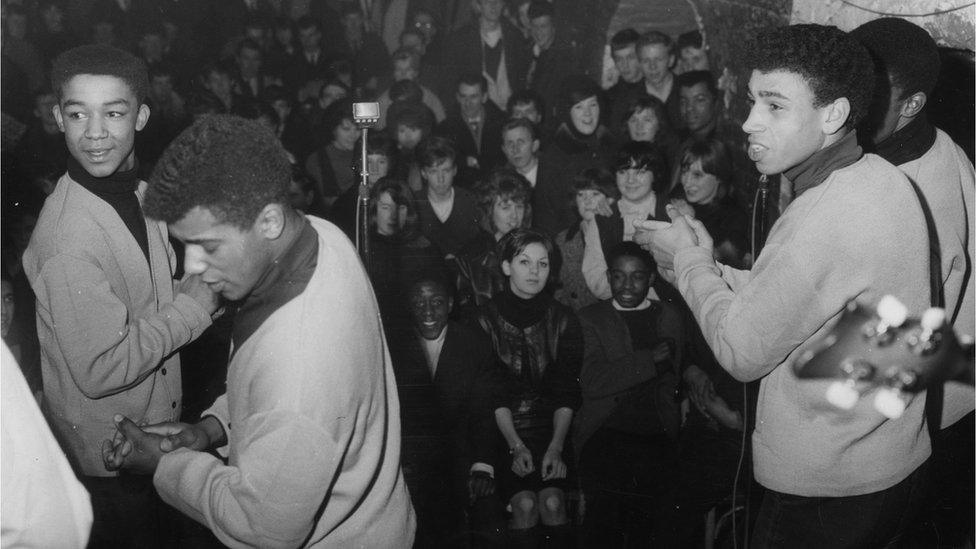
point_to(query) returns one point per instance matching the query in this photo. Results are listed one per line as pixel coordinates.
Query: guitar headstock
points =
(885, 349)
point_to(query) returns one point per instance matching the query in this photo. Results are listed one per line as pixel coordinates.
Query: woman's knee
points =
(525, 506)
(552, 506)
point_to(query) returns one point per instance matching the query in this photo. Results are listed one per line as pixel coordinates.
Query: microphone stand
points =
(362, 208)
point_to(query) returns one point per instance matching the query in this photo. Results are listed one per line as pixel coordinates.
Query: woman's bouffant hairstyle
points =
(100, 60)
(501, 185)
(832, 63)
(516, 240)
(715, 158)
(232, 166)
(643, 156)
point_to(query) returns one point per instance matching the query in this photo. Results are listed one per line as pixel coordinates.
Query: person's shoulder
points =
(595, 314)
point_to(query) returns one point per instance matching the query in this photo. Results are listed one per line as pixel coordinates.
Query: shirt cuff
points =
(694, 256)
(479, 467)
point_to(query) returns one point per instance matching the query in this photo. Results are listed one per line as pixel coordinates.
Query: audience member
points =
(581, 141)
(406, 66)
(630, 80)
(449, 216)
(553, 55)
(595, 192)
(655, 50)
(537, 342)
(521, 147)
(251, 79)
(331, 165)
(310, 61)
(43, 154)
(53, 37)
(109, 316)
(303, 195)
(634, 350)
(503, 197)
(692, 53)
(442, 369)
(364, 50)
(297, 388)
(410, 123)
(381, 161)
(528, 104)
(475, 128)
(493, 44)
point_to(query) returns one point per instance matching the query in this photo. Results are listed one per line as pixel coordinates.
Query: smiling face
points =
(100, 116)
(430, 305)
(519, 148)
(506, 214)
(643, 125)
(627, 63)
(784, 126)
(585, 115)
(698, 106)
(230, 260)
(700, 187)
(630, 280)
(588, 201)
(635, 183)
(528, 271)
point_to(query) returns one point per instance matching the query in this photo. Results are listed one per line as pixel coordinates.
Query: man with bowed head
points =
(855, 229)
(310, 422)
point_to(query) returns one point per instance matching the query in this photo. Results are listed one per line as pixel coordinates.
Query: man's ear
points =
(535, 146)
(271, 221)
(56, 109)
(142, 117)
(913, 105)
(835, 115)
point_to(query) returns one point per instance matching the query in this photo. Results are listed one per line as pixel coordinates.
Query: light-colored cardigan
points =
(313, 422)
(109, 325)
(859, 234)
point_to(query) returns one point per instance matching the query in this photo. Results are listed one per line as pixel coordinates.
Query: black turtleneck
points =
(818, 167)
(520, 312)
(119, 191)
(909, 143)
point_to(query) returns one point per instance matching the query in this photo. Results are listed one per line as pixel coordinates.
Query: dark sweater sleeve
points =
(564, 375)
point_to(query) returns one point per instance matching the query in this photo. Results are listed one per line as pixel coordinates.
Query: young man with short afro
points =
(110, 319)
(855, 229)
(310, 421)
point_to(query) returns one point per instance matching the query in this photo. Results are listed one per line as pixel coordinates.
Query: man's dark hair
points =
(647, 102)
(832, 63)
(100, 60)
(623, 39)
(472, 79)
(631, 249)
(229, 165)
(434, 150)
(656, 38)
(540, 8)
(903, 51)
(406, 90)
(333, 116)
(412, 114)
(596, 179)
(643, 155)
(693, 78)
(514, 123)
(525, 97)
(690, 39)
(307, 22)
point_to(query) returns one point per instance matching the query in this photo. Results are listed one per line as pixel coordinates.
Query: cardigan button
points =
(174, 404)
(163, 371)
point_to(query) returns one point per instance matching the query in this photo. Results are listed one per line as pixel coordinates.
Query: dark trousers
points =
(628, 484)
(127, 512)
(876, 520)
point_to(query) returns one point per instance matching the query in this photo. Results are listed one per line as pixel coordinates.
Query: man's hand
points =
(553, 466)
(700, 388)
(661, 352)
(180, 435)
(198, 290)
(138, 451)
(480, 484)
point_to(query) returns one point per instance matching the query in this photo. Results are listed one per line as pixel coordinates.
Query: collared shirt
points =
(644, 305)
(533, 174)
(639, 211)
(432, 350)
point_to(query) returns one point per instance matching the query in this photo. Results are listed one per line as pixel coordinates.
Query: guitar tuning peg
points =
(892, 312)
(843, 394)
(889, 403)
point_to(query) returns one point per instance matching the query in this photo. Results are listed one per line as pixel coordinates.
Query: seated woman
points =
(640, 170)
(646, 120)
(331, 165)
(538, 343)
(504, 201)
(702, 188)
(595, 190)
(381, 161)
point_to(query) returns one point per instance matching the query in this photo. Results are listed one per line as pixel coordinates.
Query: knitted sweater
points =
(858, 234)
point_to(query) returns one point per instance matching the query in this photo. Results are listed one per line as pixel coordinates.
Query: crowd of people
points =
(579, 326)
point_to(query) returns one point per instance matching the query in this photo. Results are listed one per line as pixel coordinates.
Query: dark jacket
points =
(488, 155)
(463, 53)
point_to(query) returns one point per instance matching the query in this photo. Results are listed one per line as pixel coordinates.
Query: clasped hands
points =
(663, 239)
(138, 448)
(553, 466)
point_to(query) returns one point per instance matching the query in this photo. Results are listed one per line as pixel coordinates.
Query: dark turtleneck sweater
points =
(818, 167)
(119, 191)
(909, 143)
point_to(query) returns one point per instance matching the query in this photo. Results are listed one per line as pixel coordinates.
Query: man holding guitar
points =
(855, 229)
